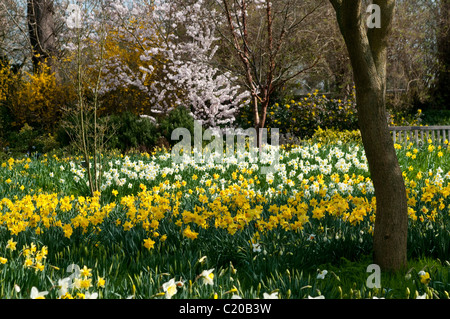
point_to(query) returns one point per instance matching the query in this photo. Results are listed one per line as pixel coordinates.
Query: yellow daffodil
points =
(148, 243)
(85, 272)
(11, 244)
(424, 277)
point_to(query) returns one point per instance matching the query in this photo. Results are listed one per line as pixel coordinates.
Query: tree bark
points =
(261, 67)
(41, 27)
(443, 87)
(367, 50)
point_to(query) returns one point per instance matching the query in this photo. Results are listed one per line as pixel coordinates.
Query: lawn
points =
(218, 230)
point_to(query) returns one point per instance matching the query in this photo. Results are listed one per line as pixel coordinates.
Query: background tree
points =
(338, 78)
(261, 35)
(41, 26)
(163, 54)
(443, 45)
(86, 22)
(367, 49)
(412, 58)
(14, 37)
(175, 46)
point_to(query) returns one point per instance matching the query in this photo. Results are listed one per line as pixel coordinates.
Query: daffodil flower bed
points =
(163, 230)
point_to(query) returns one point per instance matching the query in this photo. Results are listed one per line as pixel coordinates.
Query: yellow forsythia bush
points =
(6, 78)
(39, 99)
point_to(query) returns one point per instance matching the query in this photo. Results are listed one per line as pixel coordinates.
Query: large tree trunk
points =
(391, 222)
(367, 52)
(41, 29)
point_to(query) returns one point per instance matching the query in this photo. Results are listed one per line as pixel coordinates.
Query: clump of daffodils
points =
(78, 284)
(34, 258)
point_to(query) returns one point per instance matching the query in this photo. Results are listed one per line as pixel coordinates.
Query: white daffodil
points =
(88, 295)
(64, 285)
(318, 297)
(170, 288)
(77, 283)
(273, 295)
(256, 248)
(208, 276)
(322, 274)
(36, 294)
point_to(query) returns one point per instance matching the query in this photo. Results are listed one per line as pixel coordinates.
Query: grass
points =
(257, 234)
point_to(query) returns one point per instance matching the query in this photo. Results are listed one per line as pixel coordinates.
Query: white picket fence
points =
(420, 134)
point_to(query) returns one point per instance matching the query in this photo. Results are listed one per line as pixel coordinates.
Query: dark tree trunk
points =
(391, 222)
(367, 51)
(443, 87)
(41, 29)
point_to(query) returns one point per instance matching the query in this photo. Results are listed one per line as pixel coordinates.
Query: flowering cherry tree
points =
(177, 46)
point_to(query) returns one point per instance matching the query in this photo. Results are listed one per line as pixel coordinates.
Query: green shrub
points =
(178, 118)
(303, 116)
(331, 136)
(436, 117)
(129, 131)
(5, 121)
(46, 143)
(61, 135)
(25, 140)
(406, 118)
